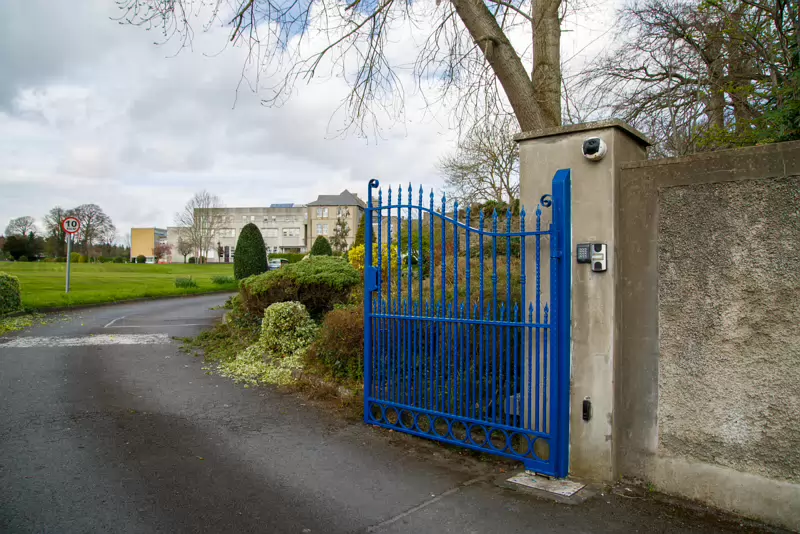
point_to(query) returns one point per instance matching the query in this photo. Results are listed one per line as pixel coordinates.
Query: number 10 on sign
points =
(71, 226)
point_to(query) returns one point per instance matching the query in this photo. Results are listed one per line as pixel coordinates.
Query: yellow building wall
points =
(142, 241)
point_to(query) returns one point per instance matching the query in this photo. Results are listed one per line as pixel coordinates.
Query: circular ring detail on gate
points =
(477, 435)
(458, 431)
(423, 423)
(520, 444)
(498, 439)
(376, 412)
(441, 427)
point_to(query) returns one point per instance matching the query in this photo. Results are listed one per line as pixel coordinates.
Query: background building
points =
(323, 213)
(144, 240)
(283, 227)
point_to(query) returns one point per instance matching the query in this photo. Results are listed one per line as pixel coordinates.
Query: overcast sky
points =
(93, 112)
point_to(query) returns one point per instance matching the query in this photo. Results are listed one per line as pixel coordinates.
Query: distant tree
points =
(184, 248)
(16, 246)
(251, 254)
(340, 232)
(57, 237)
(361, 231)
(321, 247)
(485, 166)
(141, 258)
(21, 226)
(161, 250)
(96, 226)
(200, 219)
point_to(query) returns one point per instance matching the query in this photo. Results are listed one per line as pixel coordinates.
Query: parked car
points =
(277, 263)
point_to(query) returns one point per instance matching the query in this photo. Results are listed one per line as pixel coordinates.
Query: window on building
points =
(324, 229)
(271, 232)
(252, 218)
(319, 229)
(244, 218)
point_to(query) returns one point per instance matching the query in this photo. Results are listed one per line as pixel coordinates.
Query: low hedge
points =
(10, 300)
(319, 283)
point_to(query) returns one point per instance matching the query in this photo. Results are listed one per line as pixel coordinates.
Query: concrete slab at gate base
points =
(594, 313)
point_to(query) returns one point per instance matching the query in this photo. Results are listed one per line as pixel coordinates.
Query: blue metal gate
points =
(460, 345)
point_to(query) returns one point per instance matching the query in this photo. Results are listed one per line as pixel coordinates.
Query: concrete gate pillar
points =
(594, 306)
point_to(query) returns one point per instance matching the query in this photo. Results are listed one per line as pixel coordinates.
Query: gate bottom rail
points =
(530, 447)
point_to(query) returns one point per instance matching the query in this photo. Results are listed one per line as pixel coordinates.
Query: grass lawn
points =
(42, 284)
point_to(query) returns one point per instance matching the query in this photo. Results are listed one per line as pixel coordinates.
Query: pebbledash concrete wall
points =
(707, 382)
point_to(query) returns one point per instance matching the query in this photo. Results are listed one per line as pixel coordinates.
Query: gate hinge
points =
(371, 279)
(555, 253)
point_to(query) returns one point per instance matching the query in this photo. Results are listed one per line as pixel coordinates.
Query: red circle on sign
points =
(71, 225)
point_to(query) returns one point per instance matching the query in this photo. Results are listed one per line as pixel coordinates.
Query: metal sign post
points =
(71, 226)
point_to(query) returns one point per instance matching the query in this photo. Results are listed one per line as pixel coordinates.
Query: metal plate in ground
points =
(565, 488)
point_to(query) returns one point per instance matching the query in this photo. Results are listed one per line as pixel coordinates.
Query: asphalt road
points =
(105, 426)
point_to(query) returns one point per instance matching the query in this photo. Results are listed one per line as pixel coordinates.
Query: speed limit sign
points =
(71, 225)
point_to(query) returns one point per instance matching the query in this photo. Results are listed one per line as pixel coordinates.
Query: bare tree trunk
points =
(505, 62)
(547, 59)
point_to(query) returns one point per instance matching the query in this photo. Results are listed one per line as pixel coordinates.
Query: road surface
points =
(106, 426)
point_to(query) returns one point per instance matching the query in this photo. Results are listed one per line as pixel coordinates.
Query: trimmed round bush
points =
(321, 247)
(251, 254)
(286, 329)
(119, 259)
(319, 283)
(75, 257)
(9, 294)
(141, 258)
(22, 258)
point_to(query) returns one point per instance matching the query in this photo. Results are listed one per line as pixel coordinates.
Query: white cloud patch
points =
(93, 112)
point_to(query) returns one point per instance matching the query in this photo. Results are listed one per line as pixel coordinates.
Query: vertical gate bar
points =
(538, 303)
(562, 215)
(474, 343)
(389, 250)
(516, 390)
(482, 368)
(481, 306)
(420, 335)
(508, 260)
(507, 400)
(554, 344)
(431, 259)
(456, 330)
(461, 348)
(390, 328)
(545, 362)
(450, 355)
(530, 364)
(455, 256)
(494, 317)
(503, 385)
(524, 391)
(382, 351)
(368, 295)
(428, 358)
(470, 326)
(410, 290)
(400, 356)
(380, 251)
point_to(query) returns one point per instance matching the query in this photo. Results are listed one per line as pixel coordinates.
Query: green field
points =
(42, 284)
